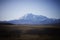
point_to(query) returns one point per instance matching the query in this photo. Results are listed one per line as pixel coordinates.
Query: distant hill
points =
(35, 19)
(5, 23)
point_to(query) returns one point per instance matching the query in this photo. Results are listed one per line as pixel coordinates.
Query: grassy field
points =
(31, 32)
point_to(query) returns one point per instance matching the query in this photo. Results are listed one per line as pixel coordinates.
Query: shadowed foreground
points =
(29, 32)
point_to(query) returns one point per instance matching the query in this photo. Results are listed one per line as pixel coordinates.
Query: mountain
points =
(35, 19)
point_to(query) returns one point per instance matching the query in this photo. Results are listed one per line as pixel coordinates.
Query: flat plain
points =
(30, 32)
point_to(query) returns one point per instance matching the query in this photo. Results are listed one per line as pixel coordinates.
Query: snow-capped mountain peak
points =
(35, 19)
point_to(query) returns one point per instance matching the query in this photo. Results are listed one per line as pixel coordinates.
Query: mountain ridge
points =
(35, 19)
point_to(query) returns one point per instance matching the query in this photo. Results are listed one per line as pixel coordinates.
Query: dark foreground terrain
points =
(29, 32)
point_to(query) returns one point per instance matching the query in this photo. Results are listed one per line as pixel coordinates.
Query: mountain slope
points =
(35, 19)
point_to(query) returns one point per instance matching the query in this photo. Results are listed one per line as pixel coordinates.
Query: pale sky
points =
(15, 9)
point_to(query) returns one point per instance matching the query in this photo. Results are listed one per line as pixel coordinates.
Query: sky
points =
(15, 9)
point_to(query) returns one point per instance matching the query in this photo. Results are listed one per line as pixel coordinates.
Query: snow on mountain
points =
(35, 19)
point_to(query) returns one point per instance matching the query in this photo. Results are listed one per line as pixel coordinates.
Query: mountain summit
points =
(32, 17)
(35, 19)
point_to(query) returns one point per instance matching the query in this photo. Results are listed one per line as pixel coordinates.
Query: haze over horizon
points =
(15, 9)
